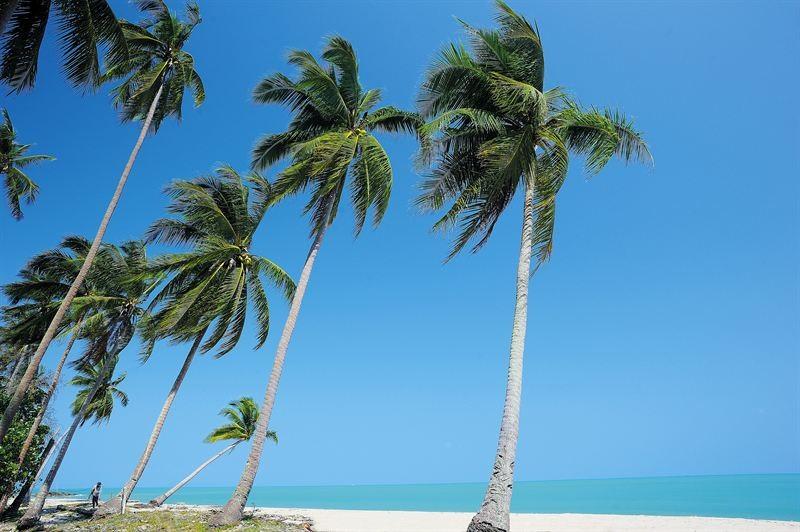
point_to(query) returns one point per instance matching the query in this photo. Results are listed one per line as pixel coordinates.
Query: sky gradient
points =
(663, 336)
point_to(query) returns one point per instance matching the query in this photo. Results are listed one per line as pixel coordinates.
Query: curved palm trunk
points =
(30, 373)
(34, 511)
(232, 512)
(494, 513)
(158, 501)
(114, 505)
(50, 391)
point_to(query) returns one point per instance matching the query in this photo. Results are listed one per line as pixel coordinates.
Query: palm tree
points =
(242, 416)
(34, 299)
(12, 158)
(102, 403)
(212, 285)
(94, 401)
(111, 317)
(329, 138)
(84, 28)
(157, 71)
(497, 131)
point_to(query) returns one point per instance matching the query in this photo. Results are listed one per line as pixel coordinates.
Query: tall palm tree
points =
(157, 72)
(84, 28)
(111, 317)
(496, 131)
(329, 138)
(242, 416)
(212, 285)
(12, 158)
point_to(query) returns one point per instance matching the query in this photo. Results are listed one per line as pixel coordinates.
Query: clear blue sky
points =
(663, 337)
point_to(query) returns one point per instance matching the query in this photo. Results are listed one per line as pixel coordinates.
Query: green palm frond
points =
(109, 305)
(156, 59)
(328, 140)
(212, 285)
(84, 29)
(101, 403)
(242, 416)
(19, 187)
(493, 129)
(339, 52)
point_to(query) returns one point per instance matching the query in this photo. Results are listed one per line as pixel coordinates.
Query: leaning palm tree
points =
(329, 138)
(156, 73)
(13, 157)
(211, 286)
(111, 317)
(93, 402)
(242, 416)
(496, 131)
(84, 28)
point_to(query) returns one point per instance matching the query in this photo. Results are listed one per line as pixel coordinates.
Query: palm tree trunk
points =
(34, 511)
(33, 367)
(494, 513)
(57, 441)
(50, 391)
(18, 500)
(158, 501)
(20, 364)
(26, 445)
(114, 505)
(6, 14)
(232, 512)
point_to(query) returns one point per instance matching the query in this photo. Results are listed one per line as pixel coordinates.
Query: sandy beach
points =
(395, 521)
(382, 521)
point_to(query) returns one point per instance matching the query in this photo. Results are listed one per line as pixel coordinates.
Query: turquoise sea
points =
(750, 496)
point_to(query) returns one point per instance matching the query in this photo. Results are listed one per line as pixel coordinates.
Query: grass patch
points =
(183, 520)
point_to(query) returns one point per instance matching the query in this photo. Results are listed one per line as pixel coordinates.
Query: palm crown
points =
(220, 276)
(494, 127)
(102, 402)
(13, 157)
(114, 310)
(156, 58)
(34, 297)
(83, 28)
(330, 134)
(108, 306)
(242, 416)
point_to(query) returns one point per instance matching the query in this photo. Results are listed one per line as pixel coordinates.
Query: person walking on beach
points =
(95, 494)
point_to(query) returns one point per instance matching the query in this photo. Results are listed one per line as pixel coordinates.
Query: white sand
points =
(390, 521)
(382, 521)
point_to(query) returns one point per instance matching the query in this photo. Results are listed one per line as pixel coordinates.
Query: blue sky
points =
(663, 336)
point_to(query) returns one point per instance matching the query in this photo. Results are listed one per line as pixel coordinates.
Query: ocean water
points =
(749, 496)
